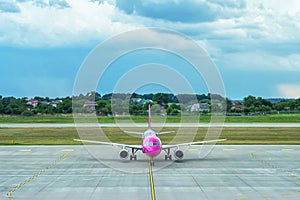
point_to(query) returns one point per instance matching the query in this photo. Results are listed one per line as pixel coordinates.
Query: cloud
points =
(59, 4)
(289, 90)
(228, 29)
(80, 22)
(182, 11)
(230, 3)
(259, 60)
(8, 7)
(255, 37)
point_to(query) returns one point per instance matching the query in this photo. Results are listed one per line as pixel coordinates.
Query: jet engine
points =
(124, 154)
(178, 154)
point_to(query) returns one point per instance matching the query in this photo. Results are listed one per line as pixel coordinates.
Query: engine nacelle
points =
(124, 154)
(178, 154)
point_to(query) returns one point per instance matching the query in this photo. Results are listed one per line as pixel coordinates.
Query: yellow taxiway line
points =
(11, 191)
(151, 180)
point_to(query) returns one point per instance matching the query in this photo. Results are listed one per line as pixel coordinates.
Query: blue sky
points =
(255, 44)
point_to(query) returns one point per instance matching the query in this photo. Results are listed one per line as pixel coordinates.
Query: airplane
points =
(151, 144)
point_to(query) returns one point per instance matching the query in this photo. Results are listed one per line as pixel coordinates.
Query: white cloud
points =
(249, 36)
(81, 23)
(9, 7)
(290, 6)
(261, 61)
(240, 35)
(289, 90)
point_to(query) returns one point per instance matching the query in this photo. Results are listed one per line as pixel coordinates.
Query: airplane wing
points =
(138, 147)
(164, 147)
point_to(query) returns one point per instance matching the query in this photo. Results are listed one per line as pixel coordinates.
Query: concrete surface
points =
(228, 172)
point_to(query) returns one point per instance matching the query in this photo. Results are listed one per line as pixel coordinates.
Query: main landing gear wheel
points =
(168, 157)
(133, 157)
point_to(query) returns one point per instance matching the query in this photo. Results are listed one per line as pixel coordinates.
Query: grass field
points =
(274, 118)
(57, 136)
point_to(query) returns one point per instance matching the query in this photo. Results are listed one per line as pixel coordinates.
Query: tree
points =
(161, 98)
(137, 109)
(249, 101)
(297, 104)
(173, 109)
(1, 106)
(28, 113)
(65, 106)
(228, 105)
(253, 104)
(187, 99)
(148, 96)
(103, 107)
(44, 108)
(11, 105)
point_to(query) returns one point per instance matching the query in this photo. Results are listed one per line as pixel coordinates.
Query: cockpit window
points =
(152, 144)
(156, 143)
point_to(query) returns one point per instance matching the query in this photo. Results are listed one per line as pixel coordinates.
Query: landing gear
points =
(168, 156)
(133, 156)
(151, 162)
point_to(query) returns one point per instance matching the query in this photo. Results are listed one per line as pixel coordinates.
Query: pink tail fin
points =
(149, 116)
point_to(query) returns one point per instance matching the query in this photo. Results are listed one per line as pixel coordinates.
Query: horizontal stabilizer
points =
(165, 132)
(133, 132)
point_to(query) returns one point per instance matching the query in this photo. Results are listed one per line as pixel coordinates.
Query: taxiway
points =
(228, 172)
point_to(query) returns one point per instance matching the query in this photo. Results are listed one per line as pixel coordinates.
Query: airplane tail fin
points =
(149, 116)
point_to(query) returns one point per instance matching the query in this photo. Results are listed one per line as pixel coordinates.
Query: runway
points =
(235, 172)
(67, 125)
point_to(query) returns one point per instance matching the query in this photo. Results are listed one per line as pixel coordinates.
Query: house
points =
(140, 100)
(237, 105)
(204, 107)
(90, 106)
(143, 101)
(33, 102)
(198, 107)
(55, 102)
(135, 100)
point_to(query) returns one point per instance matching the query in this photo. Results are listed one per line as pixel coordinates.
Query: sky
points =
(255, 44)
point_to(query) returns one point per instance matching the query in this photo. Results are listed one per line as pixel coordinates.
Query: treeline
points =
(162, 103)
(117, 103)
(37, 105)
(258, 105)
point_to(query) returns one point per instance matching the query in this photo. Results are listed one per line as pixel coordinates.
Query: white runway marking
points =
(25, 150)
(68, 150)
(229, 149)
(287, 149)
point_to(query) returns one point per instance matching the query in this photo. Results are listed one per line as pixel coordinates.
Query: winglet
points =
(149, 116)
